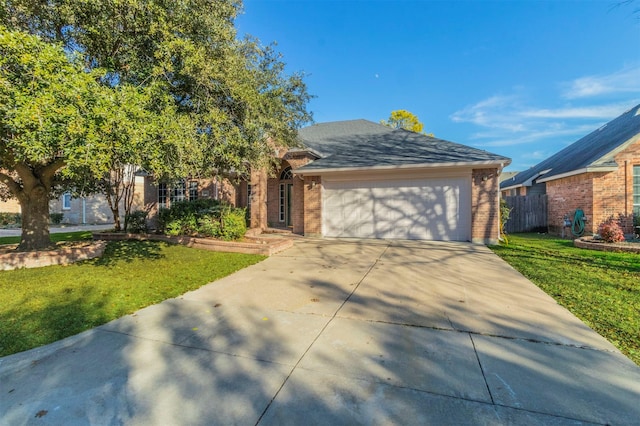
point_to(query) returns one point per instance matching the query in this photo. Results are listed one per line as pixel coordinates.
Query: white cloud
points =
(570, 132)
(529, 129)
(626, 80)
(494, 112)
(597, 111)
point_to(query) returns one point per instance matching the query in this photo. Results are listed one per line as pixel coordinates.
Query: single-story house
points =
(361, 179)
(599, 174)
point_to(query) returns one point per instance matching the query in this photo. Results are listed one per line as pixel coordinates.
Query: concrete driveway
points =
(336, 332)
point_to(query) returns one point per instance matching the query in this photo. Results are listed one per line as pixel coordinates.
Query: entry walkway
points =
(336, 332)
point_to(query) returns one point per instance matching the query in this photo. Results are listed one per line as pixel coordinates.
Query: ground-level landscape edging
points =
(591, 244)
(61, 256)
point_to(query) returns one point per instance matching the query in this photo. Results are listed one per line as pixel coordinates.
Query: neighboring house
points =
(149, 195)
(361, 179)
(599, 174)
(504, 176)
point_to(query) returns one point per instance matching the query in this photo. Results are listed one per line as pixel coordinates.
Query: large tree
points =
(225, 97)
(48, 109)
(234, 92)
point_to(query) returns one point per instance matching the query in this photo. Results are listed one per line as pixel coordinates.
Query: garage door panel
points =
(434, 209)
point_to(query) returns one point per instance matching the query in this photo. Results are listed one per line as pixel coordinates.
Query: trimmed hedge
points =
(204, 218)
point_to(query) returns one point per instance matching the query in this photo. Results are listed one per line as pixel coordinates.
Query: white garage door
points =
(425, 209)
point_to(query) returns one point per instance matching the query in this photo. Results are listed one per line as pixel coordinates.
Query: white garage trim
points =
(408, 207)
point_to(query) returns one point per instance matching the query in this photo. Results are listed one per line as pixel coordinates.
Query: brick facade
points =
(600, 195)
(566, 195)
(272, 196)
(485, 206)
(306, 209)
(258, 213)
(313, 205)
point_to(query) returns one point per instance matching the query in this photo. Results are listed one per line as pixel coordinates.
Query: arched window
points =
(286, 174)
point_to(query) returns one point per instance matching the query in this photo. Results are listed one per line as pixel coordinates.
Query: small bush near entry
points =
(233, 224)
(10, 219)
(56, 218)
(204, 217)
(137, 222)
(610, 231)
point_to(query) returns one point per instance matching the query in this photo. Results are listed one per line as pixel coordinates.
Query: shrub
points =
(610, 231)
(137, 222)
(233, 224)
(173, 229)
(10, 219)
(209, 226)
(56, 218)
(205, 217)
(186, 213)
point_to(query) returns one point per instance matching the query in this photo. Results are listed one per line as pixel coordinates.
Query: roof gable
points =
(357, 144)
(594, 151)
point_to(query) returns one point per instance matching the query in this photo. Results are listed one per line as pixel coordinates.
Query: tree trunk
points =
(35, 220)
(117, 227)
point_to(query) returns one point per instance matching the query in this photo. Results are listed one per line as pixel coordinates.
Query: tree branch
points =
(50, 170)
(13, 186)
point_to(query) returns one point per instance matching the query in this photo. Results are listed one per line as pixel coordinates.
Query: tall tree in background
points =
(403, 119)
(214, 101)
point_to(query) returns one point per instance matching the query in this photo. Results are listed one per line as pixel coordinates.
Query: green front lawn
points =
(42, 305)
(55, 238)
(600, 288)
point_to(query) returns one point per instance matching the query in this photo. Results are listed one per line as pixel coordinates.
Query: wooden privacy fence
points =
(527, 213)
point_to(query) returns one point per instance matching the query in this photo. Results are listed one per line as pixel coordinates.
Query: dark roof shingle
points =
(592, 151)
(364, 144)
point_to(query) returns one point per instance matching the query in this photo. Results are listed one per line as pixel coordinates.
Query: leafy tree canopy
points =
(231, 95)
(53, 118)
(403, 119)
(165, 84)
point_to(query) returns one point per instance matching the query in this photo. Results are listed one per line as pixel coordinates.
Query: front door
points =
(286, 204)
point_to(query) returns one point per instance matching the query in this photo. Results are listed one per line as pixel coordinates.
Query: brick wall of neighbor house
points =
(95, 210)
(312, 188)
(485, 207)
(599, 195)
(566, 195)
(613, 192)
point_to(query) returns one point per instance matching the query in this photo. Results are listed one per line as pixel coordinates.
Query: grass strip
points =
(55, 238)
(42, 305)
(600, 288)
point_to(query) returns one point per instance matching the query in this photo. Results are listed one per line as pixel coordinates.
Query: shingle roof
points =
(362, 144)
(596, 150)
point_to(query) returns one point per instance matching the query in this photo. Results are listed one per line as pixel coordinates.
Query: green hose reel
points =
(577, 225)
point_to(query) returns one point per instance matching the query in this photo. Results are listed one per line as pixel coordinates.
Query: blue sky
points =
(522, 79)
